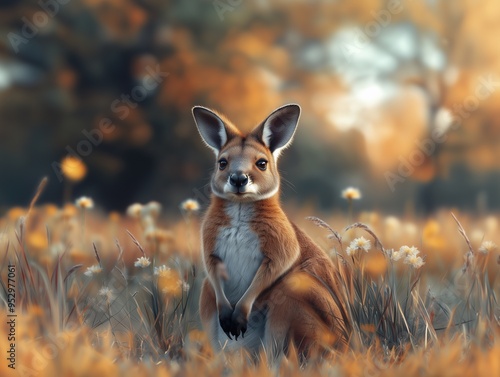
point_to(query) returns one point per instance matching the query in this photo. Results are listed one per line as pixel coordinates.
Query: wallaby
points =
(266, 279)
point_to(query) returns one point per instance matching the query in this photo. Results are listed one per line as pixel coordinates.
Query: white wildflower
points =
(107, 293)
(190, 205)
(395, 255)
(93, 270)
(359, 244)
(142, 262)
(487, 246)
(84, 202)
(406, 251)
(414, 261)
(134, 210)
(161, 271)
(351, 193)
(152, 209)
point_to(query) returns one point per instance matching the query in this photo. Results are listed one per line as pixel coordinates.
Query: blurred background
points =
(400, 98)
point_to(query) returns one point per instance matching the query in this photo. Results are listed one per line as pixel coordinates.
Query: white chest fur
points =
(238, 247)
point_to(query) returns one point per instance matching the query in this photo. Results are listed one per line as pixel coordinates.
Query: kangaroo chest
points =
(238, 246)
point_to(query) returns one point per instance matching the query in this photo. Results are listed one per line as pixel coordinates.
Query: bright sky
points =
(368, 65)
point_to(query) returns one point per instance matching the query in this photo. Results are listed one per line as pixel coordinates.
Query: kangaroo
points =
(266, 279)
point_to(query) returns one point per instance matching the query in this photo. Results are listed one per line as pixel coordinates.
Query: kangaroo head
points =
(246, 164)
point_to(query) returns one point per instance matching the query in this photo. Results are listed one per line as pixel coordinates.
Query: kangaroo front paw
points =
(225, 320)
(239, 323)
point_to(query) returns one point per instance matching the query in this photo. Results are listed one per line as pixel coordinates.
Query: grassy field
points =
(117, 294)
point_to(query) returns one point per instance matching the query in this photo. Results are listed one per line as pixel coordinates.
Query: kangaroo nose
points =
(238, 179)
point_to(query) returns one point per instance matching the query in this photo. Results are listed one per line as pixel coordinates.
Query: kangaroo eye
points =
(261, 164)
(222, 163)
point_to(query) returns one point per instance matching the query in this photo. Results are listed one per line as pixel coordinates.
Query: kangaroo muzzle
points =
(238, 179)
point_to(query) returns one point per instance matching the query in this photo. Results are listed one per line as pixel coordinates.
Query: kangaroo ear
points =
(211, 128)
(277, 131)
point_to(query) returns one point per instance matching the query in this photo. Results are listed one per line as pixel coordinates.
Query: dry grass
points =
(125, 316)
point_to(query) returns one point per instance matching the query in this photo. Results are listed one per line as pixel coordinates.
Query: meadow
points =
(117, 293)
